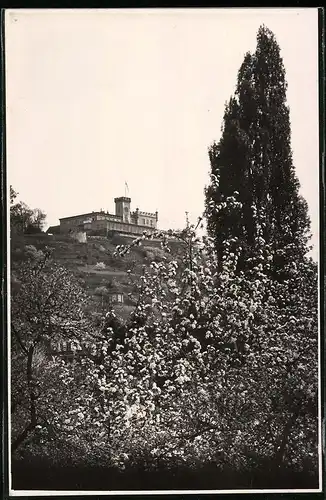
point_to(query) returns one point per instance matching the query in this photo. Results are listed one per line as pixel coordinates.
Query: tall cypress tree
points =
(254, 159)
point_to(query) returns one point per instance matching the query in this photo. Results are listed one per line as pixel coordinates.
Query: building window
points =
(151, 222)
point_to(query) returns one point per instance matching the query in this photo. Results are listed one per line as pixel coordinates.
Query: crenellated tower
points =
(122, 208)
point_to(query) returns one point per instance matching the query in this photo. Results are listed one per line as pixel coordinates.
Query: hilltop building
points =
(104, 223)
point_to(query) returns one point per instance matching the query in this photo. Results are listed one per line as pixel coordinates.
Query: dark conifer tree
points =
(254, 160)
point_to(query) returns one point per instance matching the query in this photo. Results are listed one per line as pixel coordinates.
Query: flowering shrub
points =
(46, 305)
(102, 291)
(99, 266)
(214, 365)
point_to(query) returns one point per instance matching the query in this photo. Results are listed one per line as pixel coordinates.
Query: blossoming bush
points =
(46, 306)
(215, 365)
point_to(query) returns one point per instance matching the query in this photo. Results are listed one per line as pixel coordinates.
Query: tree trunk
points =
(22, 436)
(282, 442)
(32, 396)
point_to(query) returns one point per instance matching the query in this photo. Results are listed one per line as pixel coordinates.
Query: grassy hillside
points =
(94, 262)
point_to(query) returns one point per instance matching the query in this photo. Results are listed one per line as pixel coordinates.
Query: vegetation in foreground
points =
(211, 381)
(212, 367)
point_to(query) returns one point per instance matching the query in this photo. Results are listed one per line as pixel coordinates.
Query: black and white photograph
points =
(163, 253)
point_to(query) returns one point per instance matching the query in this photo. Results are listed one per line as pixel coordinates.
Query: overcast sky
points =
(97, 98)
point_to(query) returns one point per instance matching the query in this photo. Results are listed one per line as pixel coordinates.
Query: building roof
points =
(53, 229)
(135, 213)
(114, 291)
(81, 215)
(123, 198)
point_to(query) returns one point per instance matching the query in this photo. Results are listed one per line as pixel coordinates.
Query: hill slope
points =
(95, 264)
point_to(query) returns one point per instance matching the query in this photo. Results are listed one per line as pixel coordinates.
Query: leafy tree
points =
(24, 219)
(213, 366)
(46, 306)
(36, 222)
(13, 195)
(253, 161)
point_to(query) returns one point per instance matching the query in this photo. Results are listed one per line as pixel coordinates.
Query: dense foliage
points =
(254, 159)
(24, 219)
(46, 306)
(213, 366)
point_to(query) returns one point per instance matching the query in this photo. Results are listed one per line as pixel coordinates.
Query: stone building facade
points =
(123, 221)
